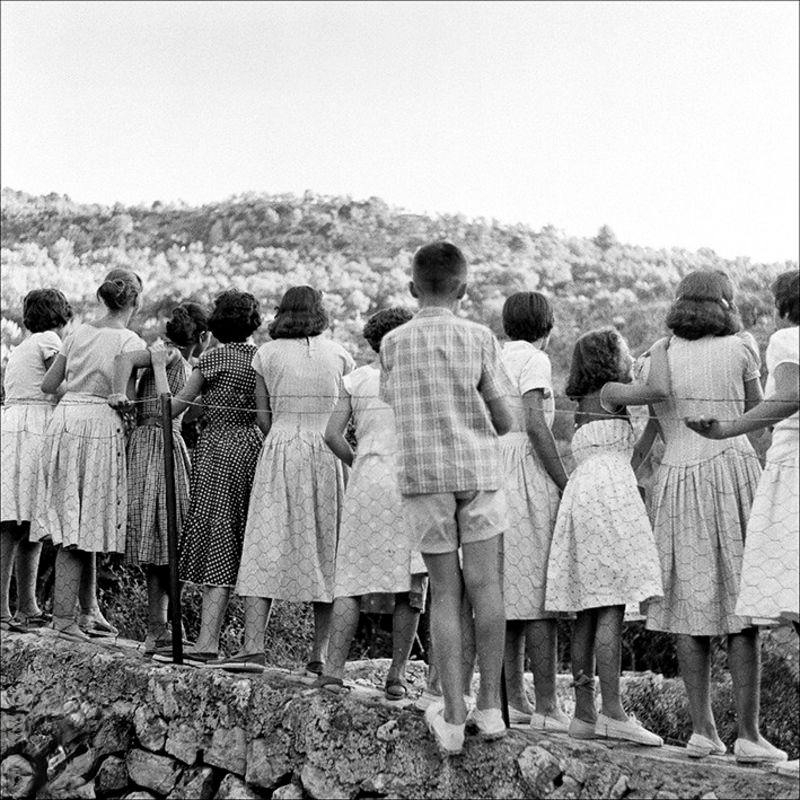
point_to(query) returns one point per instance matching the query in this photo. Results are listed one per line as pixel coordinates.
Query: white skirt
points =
(22, 426)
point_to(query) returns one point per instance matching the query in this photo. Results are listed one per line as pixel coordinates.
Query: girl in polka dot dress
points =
(85, 501)
(224, 463)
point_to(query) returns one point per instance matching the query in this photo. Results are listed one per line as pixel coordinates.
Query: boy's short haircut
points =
(527, 316)
(439, 268)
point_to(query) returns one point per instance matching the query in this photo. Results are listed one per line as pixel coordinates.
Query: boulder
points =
(151, 729)
(196, 783)
(234, 788)
(151, 771)
(268, 761)
(17, 777)
(112, 776)
(228, 750)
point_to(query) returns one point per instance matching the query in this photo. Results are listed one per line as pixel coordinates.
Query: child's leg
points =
(157, 601)
(744, 660)
(467, 645)
(404, 628)
(70, 566)
(482, 583)
(11, 535)
(608, 646)
(323, 612)
(257, 611)
(346, 611)
(27, 570)
(694, 659)
(542, 645)
(582, 652)
(215, 604)
(446, 591)
(515, 664)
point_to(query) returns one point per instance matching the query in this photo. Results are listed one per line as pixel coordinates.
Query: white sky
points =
(676, 123)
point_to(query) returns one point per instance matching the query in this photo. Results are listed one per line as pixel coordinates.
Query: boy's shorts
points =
(444, 521)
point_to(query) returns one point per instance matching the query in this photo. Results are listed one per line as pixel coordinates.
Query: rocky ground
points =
(87, 720)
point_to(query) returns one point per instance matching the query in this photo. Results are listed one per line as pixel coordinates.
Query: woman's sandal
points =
(395, 689)
(93, 625)
(331, 684)
(72, 633)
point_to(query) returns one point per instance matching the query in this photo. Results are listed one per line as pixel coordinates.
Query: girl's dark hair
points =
(595, 361)
(45, 309)
(120, 289)
(786, 290)
(703, 306)
(378, 325)
(188, 323)
(234, 317)
(299, 314)
(527, 316)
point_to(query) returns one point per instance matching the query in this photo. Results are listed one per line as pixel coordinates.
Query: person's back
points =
(708, 377)
(444, 378)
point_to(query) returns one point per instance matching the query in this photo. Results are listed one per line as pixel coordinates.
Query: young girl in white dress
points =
(84, 507)
(535, 478)
(770, 583)
(374, 554)
(289, 545)
(603, 556)
(23, 419)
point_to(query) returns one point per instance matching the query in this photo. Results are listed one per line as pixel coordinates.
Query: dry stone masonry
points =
(81, 721)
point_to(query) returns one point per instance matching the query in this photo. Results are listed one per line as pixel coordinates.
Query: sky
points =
(675, 123)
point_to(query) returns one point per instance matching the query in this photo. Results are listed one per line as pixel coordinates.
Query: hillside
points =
(357, 252)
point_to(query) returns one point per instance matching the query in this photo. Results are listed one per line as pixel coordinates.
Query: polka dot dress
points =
(223, 467)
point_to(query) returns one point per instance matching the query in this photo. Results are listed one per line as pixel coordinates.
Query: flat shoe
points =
(331, 684)
(395, 689)
(194, 659)
(700, 746)
(747, 752)
(517, 717)
(580, 729)
(489, 722)
(249, 662)
(71, 634)
(314, 668)
(554, 722)
(630, 731)
(449, 738)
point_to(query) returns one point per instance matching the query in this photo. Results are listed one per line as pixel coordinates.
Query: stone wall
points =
(81, 721)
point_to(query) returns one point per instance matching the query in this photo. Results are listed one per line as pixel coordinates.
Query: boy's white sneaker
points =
(489, 722)
(630, 731)
(449, 738)
(700, 746)
(556, 721)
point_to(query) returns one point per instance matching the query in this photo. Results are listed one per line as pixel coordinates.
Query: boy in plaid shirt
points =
(444, 379)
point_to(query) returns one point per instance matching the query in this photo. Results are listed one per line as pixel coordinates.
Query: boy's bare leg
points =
(446, 591)
(467, 644)
(346, 611)
(482, 582)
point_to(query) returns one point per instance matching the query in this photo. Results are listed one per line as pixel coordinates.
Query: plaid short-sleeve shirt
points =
(437, 372)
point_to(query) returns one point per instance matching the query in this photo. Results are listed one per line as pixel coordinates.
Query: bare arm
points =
(55, 375)
(263, 410)
(654, 390)
(124, 365)
(192, 388)
(782, 403)
(541, 436)
(334, 431)
(500, 414)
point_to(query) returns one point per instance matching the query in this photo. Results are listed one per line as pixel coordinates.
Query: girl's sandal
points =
(94, 625)
(395, 689)
(72, 633)
(331, 684)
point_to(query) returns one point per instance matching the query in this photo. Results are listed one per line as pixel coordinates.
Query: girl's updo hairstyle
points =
(595, 361)
(234, 317)
(378, 325)
(45, 309)
(786, 290)
(120, 289)
(189, 321)
(527, 316)
(703, 306)
(299, 314)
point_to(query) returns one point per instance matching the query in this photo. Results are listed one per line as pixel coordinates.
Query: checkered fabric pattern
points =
(438, 371)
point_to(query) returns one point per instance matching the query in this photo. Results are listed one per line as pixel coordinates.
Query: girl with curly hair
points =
(293, 518)
(23, 418)
(186, 336)
(224, 463)
(700, 505)
(603, 556)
